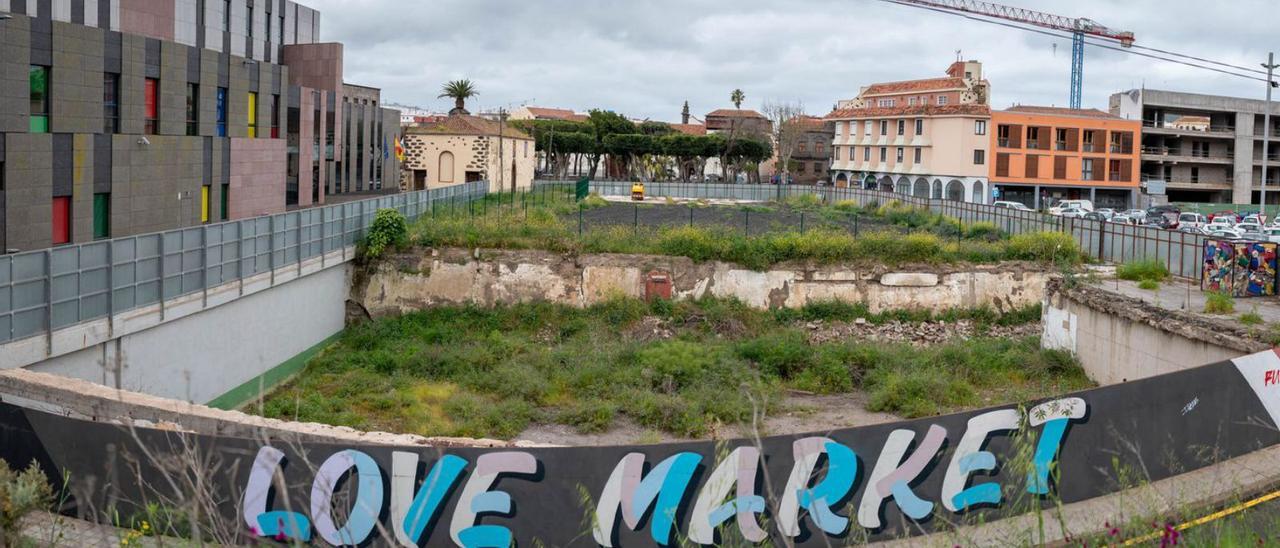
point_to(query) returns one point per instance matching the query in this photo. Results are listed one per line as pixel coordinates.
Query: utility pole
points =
(1270, 65)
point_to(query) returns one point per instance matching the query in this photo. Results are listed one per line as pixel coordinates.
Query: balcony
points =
(1169, 154)
(1033, 145)
(1192, 183)
(1060, 145)
(1087, 147)
(1181, 129)
(1002, 142)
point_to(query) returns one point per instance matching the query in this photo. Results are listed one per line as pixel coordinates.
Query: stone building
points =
(121, 117)
(464, 148)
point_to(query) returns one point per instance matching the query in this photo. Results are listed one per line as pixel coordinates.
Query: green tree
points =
(459, 91)
(603, 124)
(649, 127)
(737, 97)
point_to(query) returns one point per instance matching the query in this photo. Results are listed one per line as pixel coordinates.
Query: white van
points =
(1192, 220)
(1085, 205)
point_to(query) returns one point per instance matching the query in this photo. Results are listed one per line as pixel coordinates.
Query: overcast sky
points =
(645, 58)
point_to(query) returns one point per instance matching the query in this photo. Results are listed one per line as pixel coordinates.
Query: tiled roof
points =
(1062, 111)
(911, 110)
(464, 124)
(909, 86)
(543, 113)
(813, 123)
(732, 113)
(690, 129)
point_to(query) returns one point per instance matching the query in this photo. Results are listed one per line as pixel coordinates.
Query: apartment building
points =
(1046, 154)
(924, 137)
(1203, 148)
(122, 117)
(811, 159)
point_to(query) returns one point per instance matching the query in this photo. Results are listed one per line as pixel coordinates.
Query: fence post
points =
(746, 226)
(579, 221)
(802, 222)
(691, 214)
(160, 270)
(635, 220)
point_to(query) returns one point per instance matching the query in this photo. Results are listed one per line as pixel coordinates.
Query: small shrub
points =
(1047, 247)
(781, 355)
(1218, 302)
(983, 231)
(1149, 285)
(589, 417)
(20, 494)
(847, 206)
(593, 201)
(803, 201)
(1251, 317)
(1147, 269)
(389, 230)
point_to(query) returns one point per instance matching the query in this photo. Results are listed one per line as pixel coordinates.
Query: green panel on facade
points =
(39, 124)
(101, 216)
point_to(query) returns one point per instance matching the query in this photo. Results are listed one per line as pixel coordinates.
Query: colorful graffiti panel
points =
(845, 486)
(1254, 269)
(1218, 264)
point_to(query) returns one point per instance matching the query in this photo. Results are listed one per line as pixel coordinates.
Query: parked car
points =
(1271, 234)
(1122, 220)
(1250, 230)
(1222, 221)
(1253, 218)
(1011, 205)
(1063, 205)
(1233, 216)
(1073, 213)
(1136, 214)
(1095, 216)
(1189, 229)
(1106, 212)
(1229, 233)
(1192, 219)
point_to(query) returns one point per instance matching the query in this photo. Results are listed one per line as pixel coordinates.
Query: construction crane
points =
(1078, 28)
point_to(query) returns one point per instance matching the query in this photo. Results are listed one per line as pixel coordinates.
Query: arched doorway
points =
(886, 184)
(842, 181)
(921, 189)
(955, 191)
(903, 186)
(979, 193)
(446, 167)
(937, 189)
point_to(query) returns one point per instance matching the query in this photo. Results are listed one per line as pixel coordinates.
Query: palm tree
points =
(737, 97)
(460, 91)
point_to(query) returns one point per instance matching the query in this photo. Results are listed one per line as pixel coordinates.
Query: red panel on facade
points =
(61, 220)
(150, 95)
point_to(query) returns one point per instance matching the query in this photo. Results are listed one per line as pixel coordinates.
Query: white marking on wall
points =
(1262, 372)
(1059, 329)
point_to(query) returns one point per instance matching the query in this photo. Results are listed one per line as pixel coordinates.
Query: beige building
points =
(464, 148)
(926, 138)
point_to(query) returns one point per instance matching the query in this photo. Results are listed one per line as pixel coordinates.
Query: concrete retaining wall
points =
(201, 356)
(424, 278)
(1119, 339)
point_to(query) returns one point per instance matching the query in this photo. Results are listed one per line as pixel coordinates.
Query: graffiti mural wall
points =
(1243, 269)
(855, 484)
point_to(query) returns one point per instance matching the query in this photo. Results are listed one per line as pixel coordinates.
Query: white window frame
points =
(942, 100)
(919, 126)
(979, 127)
(919, 154)
(899, 156)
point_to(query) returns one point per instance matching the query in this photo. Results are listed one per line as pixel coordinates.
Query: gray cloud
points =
(645, 58)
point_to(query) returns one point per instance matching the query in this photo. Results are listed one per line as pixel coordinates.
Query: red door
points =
(62, 220)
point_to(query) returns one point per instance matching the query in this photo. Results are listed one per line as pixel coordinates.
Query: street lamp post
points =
(1270, 65)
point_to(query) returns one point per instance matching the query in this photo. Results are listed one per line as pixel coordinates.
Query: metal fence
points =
(46, 290)
(1181, 252)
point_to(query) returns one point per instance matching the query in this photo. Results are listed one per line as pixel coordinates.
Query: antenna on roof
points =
(958, 56)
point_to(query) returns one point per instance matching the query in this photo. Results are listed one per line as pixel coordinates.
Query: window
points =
(226, 201)
(151, 96)
(101, 215)
(226, 15)
(919, 154)
(884, 154)
(902, 127)
(280, 29)
(204, 203)
(800, 147)
(884, 127)
(1195, 174)
(275, 116)
(979, 157)
(1002, 135)
(248, 22)
(193, 109)
(817, 168)
(866, 154)
(1060, 139)
(253, 114)
(911, 101)
(885, 103)
(919, 126)
(836, 151)
(942, 99)
(110, 102)
(1088, 141)
(221, 112)
(62, 220)
(1033, 137)
(898, 157)
(1086, 169)
(979, 127)
(38, 77)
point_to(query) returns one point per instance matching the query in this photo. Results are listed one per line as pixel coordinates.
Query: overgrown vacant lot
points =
(888, 234)
(683, 368)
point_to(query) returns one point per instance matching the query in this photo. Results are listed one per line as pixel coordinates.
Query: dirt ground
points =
(750, 219)
(800, 413)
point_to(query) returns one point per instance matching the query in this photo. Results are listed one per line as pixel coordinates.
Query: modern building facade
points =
(1046, 154)
(925, 137)
(1203, 148)
(122, 117)
(464, 148)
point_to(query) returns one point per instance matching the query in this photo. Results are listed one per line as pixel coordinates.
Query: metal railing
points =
(50, 289)
(1179, 251)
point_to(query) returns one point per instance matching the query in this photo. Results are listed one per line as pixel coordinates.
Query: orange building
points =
(1046, 154)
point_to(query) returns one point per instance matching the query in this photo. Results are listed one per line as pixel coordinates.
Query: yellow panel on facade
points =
(204, 204)
(253, 114)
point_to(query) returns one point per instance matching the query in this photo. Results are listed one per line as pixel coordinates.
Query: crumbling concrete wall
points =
(1119, 338)
(450, 276)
